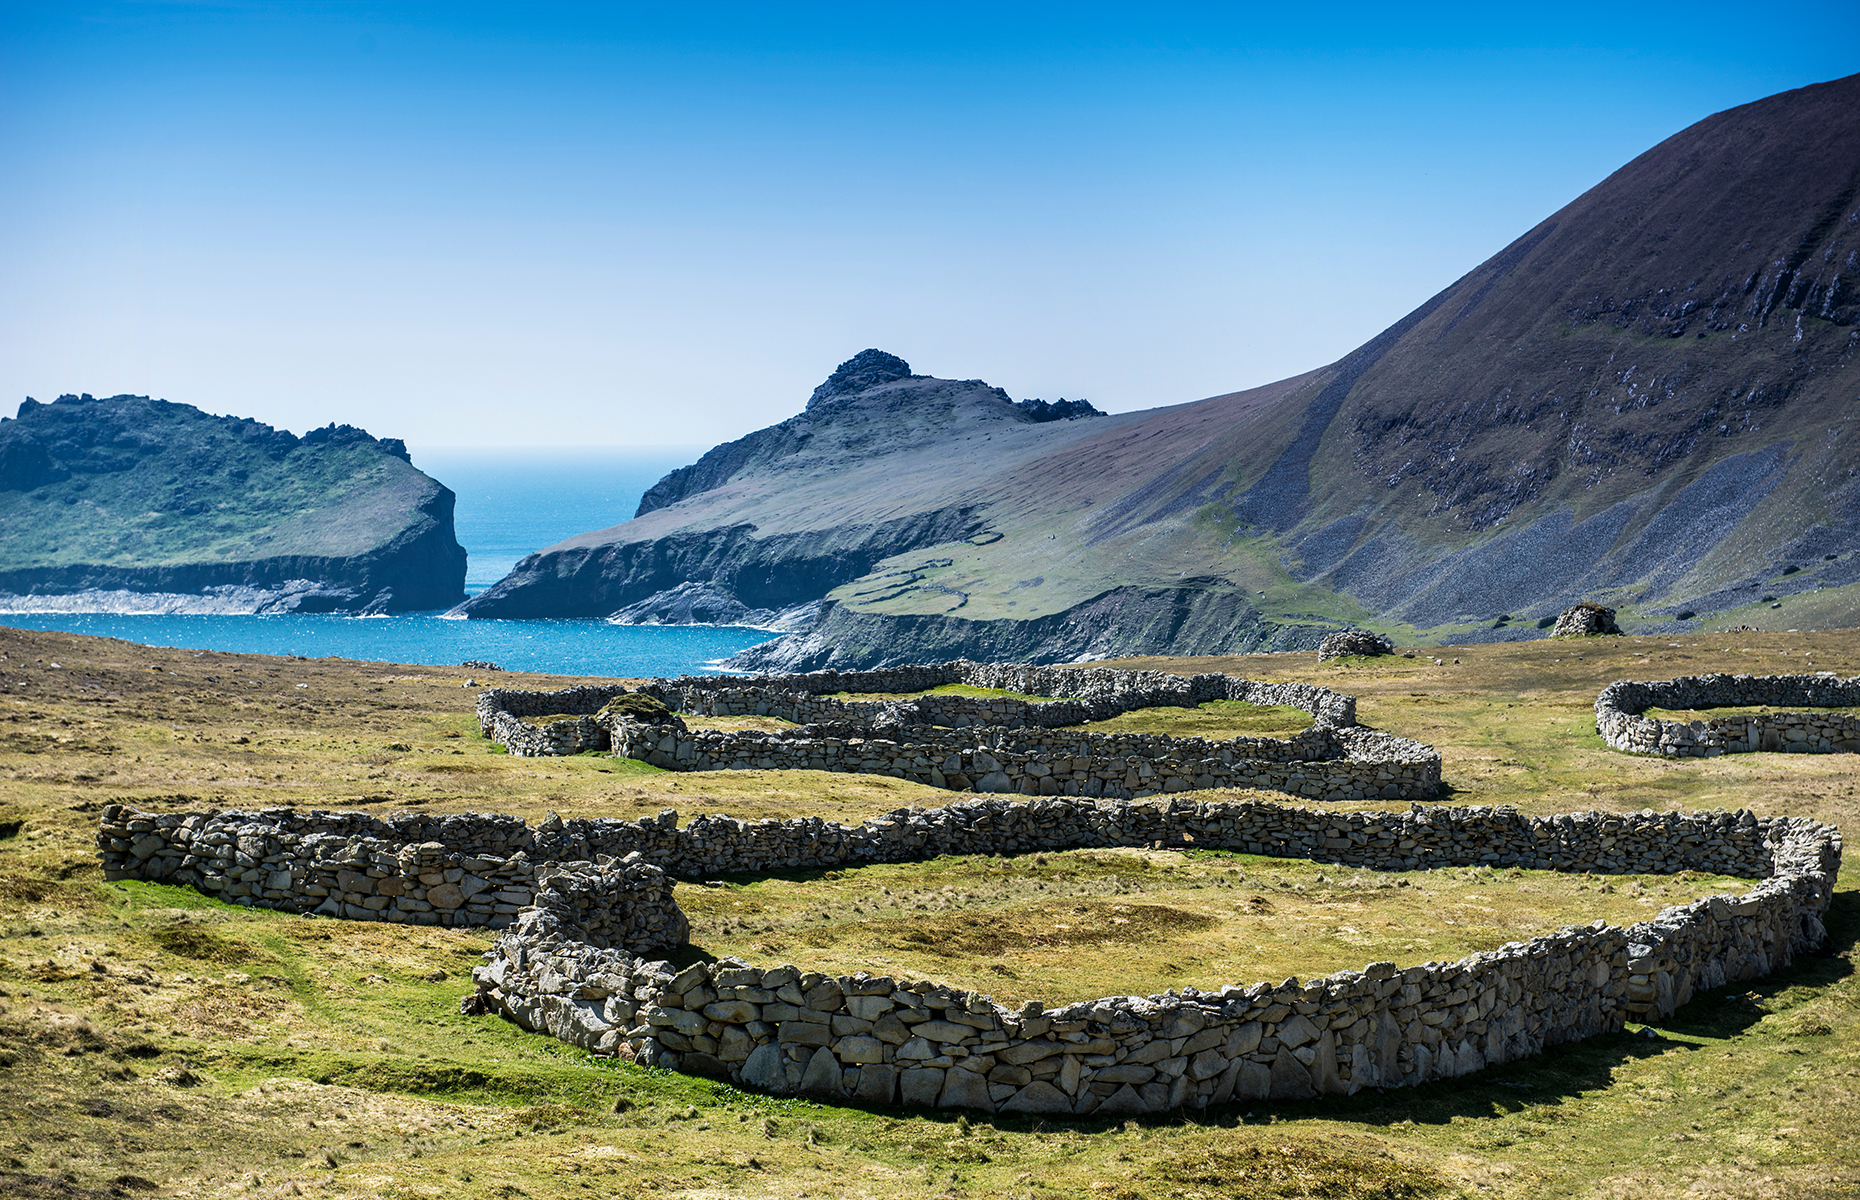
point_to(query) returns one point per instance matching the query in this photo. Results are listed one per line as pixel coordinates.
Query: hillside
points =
(1645, 399)
(133, 504)
(881, 464)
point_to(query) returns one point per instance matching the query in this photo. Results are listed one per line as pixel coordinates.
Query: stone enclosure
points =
(580, 959)
(1618, 719)
(995, 745)
(590, 927)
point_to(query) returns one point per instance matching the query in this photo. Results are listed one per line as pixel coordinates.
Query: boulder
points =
(1038, 1097)
(764, 1069)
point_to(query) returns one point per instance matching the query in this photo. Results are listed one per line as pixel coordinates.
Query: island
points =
(130, 505)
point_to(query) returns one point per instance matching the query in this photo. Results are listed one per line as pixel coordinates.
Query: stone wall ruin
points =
(993, 744)
(575, 960)
(1618, 719)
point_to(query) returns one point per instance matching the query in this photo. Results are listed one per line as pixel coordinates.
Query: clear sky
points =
(635, 225)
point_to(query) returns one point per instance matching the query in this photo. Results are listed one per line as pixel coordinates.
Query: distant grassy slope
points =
(148, 495)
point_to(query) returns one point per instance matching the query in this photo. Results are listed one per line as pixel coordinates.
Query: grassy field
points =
(1088, 923)
(156, 1042)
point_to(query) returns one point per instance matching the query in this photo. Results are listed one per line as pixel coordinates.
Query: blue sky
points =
(544, 224)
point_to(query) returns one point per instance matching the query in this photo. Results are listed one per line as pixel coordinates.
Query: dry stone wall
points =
(1324, 763)
(501, 712)
(1618, 719)
(991, 744)
(470, 869)
(889, 1041)
(587, 903)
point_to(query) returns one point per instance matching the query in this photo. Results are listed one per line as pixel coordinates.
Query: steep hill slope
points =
(133, 504)
(1648, 399)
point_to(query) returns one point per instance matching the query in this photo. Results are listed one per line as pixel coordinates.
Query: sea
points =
(510, 503)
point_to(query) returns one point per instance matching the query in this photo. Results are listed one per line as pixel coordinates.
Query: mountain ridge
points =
(1646, 398)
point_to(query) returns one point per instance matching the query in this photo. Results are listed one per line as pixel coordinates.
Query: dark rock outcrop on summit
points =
(129, 504)
(866, 369)
(1057, 410)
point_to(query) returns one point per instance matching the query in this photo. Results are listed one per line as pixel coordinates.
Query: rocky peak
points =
(868, 368)
(1041, 411)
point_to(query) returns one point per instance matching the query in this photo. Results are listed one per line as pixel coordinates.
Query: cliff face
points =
(132, 504)
(1648, 399)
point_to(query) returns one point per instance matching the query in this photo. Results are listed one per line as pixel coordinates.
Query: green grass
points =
(1062, 927)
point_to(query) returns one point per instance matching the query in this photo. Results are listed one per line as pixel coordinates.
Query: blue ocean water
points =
(515, 502)
(509, 504)
(559, 647)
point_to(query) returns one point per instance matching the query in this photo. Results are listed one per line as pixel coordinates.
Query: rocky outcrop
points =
(866, 369)
(137, 505)
(1119, 622)
(723, 568)
(1057, 410)
(708, 604)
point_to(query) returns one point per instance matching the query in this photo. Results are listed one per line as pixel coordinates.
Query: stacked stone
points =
(1085, 695)
(1323, 763)
(884, 1041)
(903, 679)
(546, 976)
(1646, 842)
(852, 736)
(805, 708)
(623, 904)
(1618, 719)
(501, 712)
(409, 869)
(1354, 641)
(571, 965)
(1586, 619)
(331, 864)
